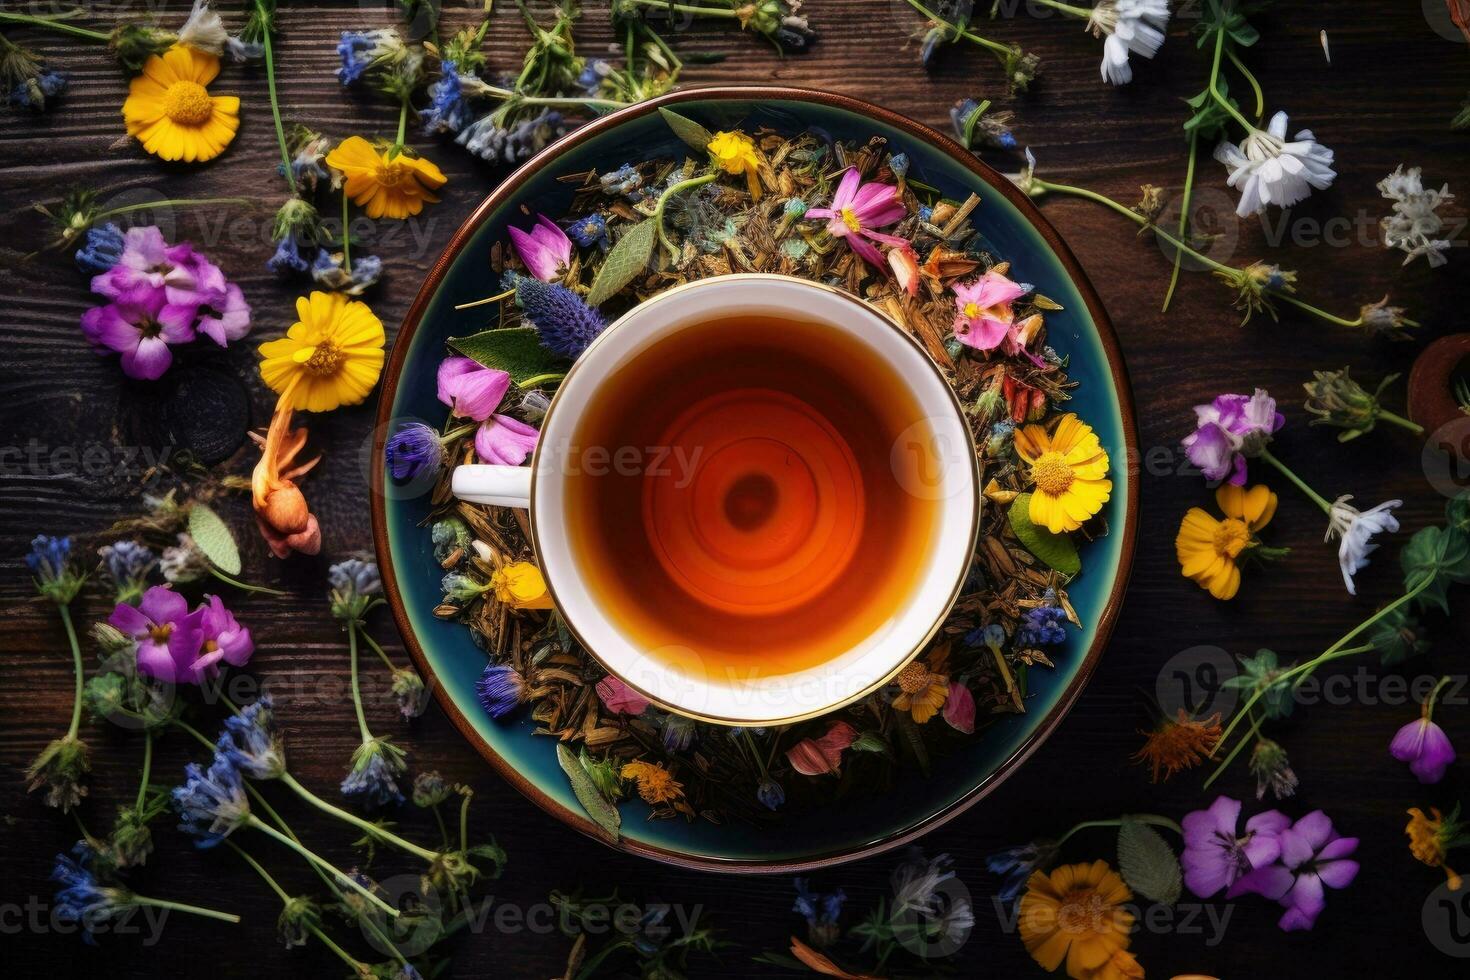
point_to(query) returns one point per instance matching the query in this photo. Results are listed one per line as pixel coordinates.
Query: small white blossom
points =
(1026, 179)
(1269, 169)
(1357, 529)
(1129, 26)
(1414, 222)
(204, 31)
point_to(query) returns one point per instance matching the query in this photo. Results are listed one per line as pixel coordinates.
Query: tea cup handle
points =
(497, 486)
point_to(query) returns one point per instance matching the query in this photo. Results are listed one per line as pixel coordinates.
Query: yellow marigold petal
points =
(229, 105)
(1030, 442)
(1068, 432)
(427, 172)
(1260, 506)
(192, 64)
(160, 71)
(1226, 585)
(1231, 500)
(1051, 950)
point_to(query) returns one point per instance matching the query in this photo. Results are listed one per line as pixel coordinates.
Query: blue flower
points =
(413, 450)
(590, 81)
(327, 272)
(371, 779)
(1015, 865)
(32, 93)
(102, 251)
(589, 231)
(821, 912)
(566, 324)
(52, 569)
(288, 258)
(127, 564)
(926, 213)
(212, 804)
(625, 181)
(362, 50)
(992, 635)
(353, 584)
(770, 793)
(899, 164)
(975, 128)
(251, 742)
(678, 733)
(448, 110)
(82, 897)
(487, 139)
(500, 689)
(1042, 627)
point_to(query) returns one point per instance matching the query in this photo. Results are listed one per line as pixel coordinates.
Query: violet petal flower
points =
(225, 319)
(1425, 747)
(169, 636)
(470, 389)
(193, 279)
(859, 209)
(1215, 855)
(1314, 857)
(983, 316)
(139, 325)
(502, 439)
(224, 638)
(1230, 429)
(144, 262)
(545, 249)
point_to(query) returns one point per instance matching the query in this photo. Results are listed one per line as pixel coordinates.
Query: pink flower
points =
(169, 635)
(857, 210)
(224, 639)
(905, 266)
(470, 389)
(140, 325)
(1313, 858)
(1425, 747)
(504, 440)
(818, 756)
(1216, 853)
(225, 319)
(959, 708)
(619, 698)
(1230, 429)
(983, 315)
(545, 249)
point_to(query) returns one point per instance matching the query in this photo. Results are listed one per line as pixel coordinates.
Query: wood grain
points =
(1385, 100)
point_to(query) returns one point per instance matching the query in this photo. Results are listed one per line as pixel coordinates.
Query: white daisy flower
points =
(204, 31)
(1357, 528)
(1269, 169)
(1412, 226)
(1129, 26)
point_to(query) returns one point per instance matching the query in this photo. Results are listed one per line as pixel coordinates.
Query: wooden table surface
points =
(1386, 99)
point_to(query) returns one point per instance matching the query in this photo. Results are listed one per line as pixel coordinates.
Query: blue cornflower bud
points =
(364, 50)
(588, 231)
(501, 689)
(770, 793)
(327, 271)
(211, 804)
(102, 251)
(450, 535)
(371, 779)
(429, 789)
(52, 569)
(414, 450)
(678, 733)
(251, 742)
(821, 911)
(448, 110)
(127, 564)
(410, 693)
(1015, 865)
(1042, 627)
(353, 585)
(565, 323)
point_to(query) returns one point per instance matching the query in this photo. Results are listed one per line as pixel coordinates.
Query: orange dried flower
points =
(1178, 744)
(285, 521)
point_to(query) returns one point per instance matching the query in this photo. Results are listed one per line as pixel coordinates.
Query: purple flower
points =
(502, 439)
(1230, 429)
(169, 636)
(140, 325)
(822, 910)
(1042, 627)
(500, 689)
(223, 639)
(226, 317)
(546, 250)
(147, 260)
(564, 322)
(414, 449)
(857, 209)
(1425, 747)
(470, 389)
(1313, 857)
(1215, 855)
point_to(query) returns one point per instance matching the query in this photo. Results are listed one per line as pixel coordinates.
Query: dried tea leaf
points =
(515, 350)
(1147, 862)
(687, 130)
(603, 813)
(1057, 550)
(1046, 303)
(628, 258)
(213, 537)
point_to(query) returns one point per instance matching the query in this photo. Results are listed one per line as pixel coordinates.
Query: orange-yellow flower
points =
(1178, 743)
(655, 783)
(923, 687)
(1432, 837)
(281, 513)
(1069, 468)
(332, 355)
(521, 586)
(1209, 548)
(1075, 914)
(171, 112)
(385, 187)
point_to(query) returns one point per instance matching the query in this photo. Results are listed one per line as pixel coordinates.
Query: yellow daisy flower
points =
(1208, 548)
(171, 112)
(655, 783)
(735, 153)
(1069, 468)
(331, 356)
(922, 690)
(1075, 914)
(1432, 837)
(383, 187)
(520, 585)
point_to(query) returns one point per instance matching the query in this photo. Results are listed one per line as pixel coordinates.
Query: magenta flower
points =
(1313, 857)
(226, 317)
(859, 209)
(502, 439)
(147, 260)
(959, 708)
(140, 325)
(983, 316)
(470, 389)
(1425, 747)
(619, 698)
(1215, 855)
(545, 249)
(1230, 429)
(169, 635)
(223, 639)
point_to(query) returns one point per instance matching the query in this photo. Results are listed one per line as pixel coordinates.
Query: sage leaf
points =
(1147, 862)
(691, 132)
(514, 350)
(603, 813)
(213, 537)
(1056, 550)
(627, 259)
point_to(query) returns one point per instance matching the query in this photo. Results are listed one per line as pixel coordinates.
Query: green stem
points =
(541, 379)
(382, 654)
(1433, 696)
(398, 141)
(246, 586)
(160, 903)
(1323, 314)
(1151, 819)
(1081, 13)
(1255, 730)
(688, 8)
(180, 202)
(974, 120)
(321, 862)
(1298, 482)
(54, 25)
(77, 671)
(147, 768)
(356, 966)
(270, 81)
(464, 821)
(346, 233)
(1005, 672)
(1183, 220)
(993, 46)
(366, 826)
(1225, 103)
(362, 725)
(487, 300)
(1399, 420)
(1249, 77)
(663, 200)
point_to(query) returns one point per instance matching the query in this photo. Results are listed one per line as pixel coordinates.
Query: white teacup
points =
(948, 482)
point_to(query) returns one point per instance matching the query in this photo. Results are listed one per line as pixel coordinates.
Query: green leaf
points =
(213, 537)
(515, 350)
(603, 813)
(1147, 862)
(1056, 550)
(687, 130)
(1442, 554)
(627, 259)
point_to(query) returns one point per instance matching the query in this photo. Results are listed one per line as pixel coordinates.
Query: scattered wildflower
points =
(211, 803)
(626, 181)
(859, 209)
(1043, 626)
(770, 793)
(545, 250)
(281, 512)
(655, 783)
(90, 897)
(619, 698)
(1337, 400)
(735, 153)
(332, 355)
(822, 910)
(329, 271)
(448, 110)
(169, 636)
(973, 124)
(1229, 430)
(520, 585)
(172, 114)
(1069, 469)
(52, 570)
(1423, 744)
(1255, 285)
(589, 231)
(1209, 549)
(959, 708)
(564, 322)
(251, 742)
(353, 586)
(203, 30)
(385, 185)
(677, 733)
(363, 51)
(1313, 855)
(1357, 529)
(1077, 913)
(60, 768)
(183, 562)
(1015, 865)
(501, 689)
(295, 230)
(430, 789)
(1272, 768)
(1415, 220)
(1178, 743)
(1026, 403)
(1432, 837)
(25, 80)
(983, 315)
(1129, 26)
(372, 777)
(415, 449)
(102, 250)
(1384, 320)
(818, 756)
(410, 693)
(492, 142)
(1216, 854)
(1267, 169)
(223, 639)
(922, 689)
(140, 326)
